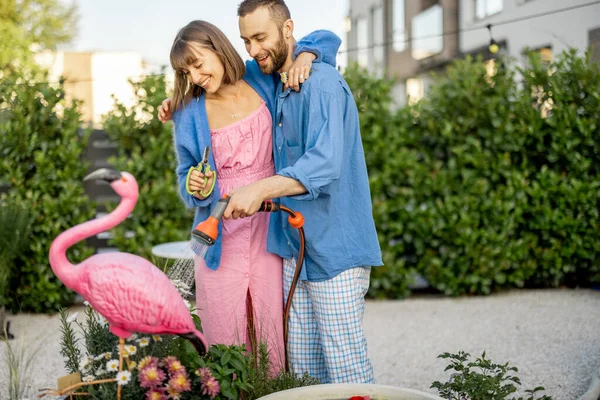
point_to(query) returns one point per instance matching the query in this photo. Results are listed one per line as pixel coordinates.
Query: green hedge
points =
(475, 189)
(146, 150)
(41, 144)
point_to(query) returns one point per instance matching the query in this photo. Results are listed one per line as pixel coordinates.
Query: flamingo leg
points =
(121, 351)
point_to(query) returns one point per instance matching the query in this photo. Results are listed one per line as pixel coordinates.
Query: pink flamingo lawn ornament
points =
(129, 291)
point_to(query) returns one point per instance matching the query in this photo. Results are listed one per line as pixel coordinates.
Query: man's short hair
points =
(278, 10)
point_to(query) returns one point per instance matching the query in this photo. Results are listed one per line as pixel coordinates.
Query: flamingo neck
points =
(62, 267)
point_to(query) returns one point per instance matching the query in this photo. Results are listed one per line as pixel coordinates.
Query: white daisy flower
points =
(125, 352)
(99, 357)
(156, 338)
(107, 355)
(72, 317)
(132, 338)
(88, 378)
(101, 372)
(131, 350)
(123, 378)
(112, 366)
(143, 342)
(86, 363)
(86, 303)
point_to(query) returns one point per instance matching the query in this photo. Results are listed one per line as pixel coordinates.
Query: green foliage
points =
(146, 151)
(264, 382)
(481, 380)
(44, 24)
(380, 135)
(481, 186)
(40, 158)
(69, 343)
(14, 235)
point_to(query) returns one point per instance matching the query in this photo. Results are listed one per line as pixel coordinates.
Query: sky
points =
(149, 26)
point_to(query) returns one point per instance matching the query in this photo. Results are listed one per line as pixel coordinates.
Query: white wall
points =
(559, 31)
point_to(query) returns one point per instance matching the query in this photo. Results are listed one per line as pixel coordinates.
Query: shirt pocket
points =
(291, 136)
(292, 153)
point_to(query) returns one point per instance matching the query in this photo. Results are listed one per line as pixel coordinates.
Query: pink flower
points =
(156, 394)
(211, 387)
(146, 362)
(174, 366)
(204, 374)
(151, 377)
(180, 382)
(173, 393)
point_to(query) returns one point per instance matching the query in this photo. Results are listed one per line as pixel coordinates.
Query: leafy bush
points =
(41, 145)
(146, 150)
(481, 380)
(14, 235)
(478, 187)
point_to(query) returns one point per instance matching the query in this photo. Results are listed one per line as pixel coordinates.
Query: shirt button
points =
(247, 275)
(289, 244)
(247, 257)
(280, 124)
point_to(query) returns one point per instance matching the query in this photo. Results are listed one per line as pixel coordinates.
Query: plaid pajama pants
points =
(326, 336)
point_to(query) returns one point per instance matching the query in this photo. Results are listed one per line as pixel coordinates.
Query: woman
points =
(222, 103)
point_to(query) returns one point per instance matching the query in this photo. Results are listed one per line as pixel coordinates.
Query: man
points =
(320, 172)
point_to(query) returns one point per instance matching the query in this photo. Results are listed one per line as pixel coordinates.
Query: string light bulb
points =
(493, 47)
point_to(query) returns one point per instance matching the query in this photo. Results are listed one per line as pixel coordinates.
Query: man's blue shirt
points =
(317, 142)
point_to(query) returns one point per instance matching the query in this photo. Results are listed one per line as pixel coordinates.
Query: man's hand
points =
(164, 111)
(300, 70)
(244, 201)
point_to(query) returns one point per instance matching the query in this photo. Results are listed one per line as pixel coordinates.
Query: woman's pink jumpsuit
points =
(248, 274)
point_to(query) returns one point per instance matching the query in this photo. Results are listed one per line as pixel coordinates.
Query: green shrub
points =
(41, 145)
(481, 380)
(476, 188)
(146, 150)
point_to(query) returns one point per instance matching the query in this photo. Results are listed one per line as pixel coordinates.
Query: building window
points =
(362, 42)
(378, 38)
(427, 33)
(415, 90)
(485, 8)
(594, 44)
(398, 26)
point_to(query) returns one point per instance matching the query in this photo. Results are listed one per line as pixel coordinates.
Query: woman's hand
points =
(164, 111)
(300, 70)
(197, 185)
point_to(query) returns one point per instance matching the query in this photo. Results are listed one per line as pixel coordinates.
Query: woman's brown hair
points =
(203, 34)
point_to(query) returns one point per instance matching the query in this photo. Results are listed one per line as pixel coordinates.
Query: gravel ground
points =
(552, 336)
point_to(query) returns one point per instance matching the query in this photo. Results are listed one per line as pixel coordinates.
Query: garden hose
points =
(206, 233)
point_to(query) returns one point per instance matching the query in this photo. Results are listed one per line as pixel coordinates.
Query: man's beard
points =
(278, 56)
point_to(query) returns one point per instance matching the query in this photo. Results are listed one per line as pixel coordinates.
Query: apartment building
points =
(407, 39)
(547, 26)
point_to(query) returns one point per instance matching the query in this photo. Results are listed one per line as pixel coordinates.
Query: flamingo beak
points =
(105, 174)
